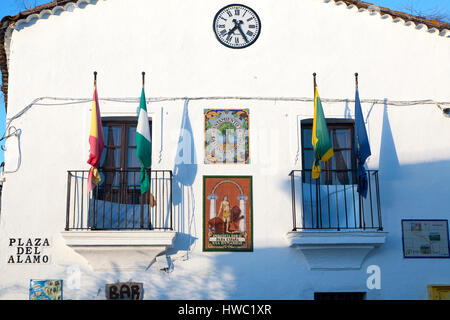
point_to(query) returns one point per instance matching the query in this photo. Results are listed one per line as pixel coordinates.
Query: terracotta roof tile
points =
(398, 14)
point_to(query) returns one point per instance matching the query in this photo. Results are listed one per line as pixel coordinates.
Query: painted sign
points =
(124, 291)
(28, 251)
(227, 213)
(425, 239)
(226, 136)
(46, 289)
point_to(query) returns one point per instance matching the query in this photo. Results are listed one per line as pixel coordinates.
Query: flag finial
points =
(314, 76)
(356, 79)
(143, 79)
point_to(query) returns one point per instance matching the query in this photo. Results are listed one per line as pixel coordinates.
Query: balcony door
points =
(119, 162)
(330, 202)
(339, 169)
(117, 202)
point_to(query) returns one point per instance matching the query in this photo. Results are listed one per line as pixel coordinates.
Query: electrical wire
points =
(17, 133)
(293, 99)
(72, 101)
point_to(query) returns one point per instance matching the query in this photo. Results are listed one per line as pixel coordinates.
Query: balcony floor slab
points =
(119, 250)
(335, 250)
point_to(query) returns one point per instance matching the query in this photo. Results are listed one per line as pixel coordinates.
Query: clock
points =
(236, 26)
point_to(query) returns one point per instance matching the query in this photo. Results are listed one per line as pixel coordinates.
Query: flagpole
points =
(315, 84)
(357, 164)
(142, 197)
(95, 88)
(317, 185)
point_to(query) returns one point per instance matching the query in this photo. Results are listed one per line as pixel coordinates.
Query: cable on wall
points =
(72, 101)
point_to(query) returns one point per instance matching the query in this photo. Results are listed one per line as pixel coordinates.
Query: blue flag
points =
(362, 148)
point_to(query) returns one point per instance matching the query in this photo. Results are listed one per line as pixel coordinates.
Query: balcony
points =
(332, 224)
(115, 225)
(333, 203)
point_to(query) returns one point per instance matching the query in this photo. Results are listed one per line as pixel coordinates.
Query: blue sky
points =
(12, 7)
(421, 5)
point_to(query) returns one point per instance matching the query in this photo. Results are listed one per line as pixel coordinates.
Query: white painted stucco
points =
(174, 43)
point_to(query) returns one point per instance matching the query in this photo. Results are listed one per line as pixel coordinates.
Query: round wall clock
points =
(236, 26)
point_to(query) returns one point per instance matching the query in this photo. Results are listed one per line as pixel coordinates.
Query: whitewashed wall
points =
(174, 43)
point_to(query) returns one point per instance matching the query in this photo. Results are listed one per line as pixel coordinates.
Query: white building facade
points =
(307, 237)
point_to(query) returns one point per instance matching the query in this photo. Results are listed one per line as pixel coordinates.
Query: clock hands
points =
(237, 25)
(242, 31)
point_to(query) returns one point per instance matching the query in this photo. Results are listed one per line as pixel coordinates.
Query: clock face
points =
(236, 26)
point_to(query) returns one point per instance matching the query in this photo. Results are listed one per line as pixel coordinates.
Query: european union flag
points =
(362, 148)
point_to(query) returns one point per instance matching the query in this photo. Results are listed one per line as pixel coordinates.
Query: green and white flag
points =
(144, 143)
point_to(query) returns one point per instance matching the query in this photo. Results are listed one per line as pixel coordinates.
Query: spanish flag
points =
(96, 143)
(323, 150)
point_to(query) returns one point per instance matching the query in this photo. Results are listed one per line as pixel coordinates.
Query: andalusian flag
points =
(323, 150)
(144, 144)
(96, 143)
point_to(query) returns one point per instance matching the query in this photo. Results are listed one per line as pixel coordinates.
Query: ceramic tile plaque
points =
(226, 136)
(227, 213)
(46, 289)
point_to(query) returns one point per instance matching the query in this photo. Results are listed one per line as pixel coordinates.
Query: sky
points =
(12, 7)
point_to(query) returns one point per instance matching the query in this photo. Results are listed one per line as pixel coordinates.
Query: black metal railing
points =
(332, 202)
(117, 203)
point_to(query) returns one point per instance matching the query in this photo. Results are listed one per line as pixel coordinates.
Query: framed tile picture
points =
(227, 136)
(227, 213)
(425, 238)
(46, 289)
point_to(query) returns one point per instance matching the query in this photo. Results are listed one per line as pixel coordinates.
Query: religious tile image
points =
(227, 213)
(227, 136)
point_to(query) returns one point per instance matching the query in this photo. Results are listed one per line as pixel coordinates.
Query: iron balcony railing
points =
(332, 202)
(117, 203)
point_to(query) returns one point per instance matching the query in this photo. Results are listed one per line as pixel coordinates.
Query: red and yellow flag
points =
(96, 143)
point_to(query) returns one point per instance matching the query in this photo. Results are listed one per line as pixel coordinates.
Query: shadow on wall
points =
(266, 273)
(406, 190)
(13, 292)
(417, 190)
(185, 172)
(389, 164)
